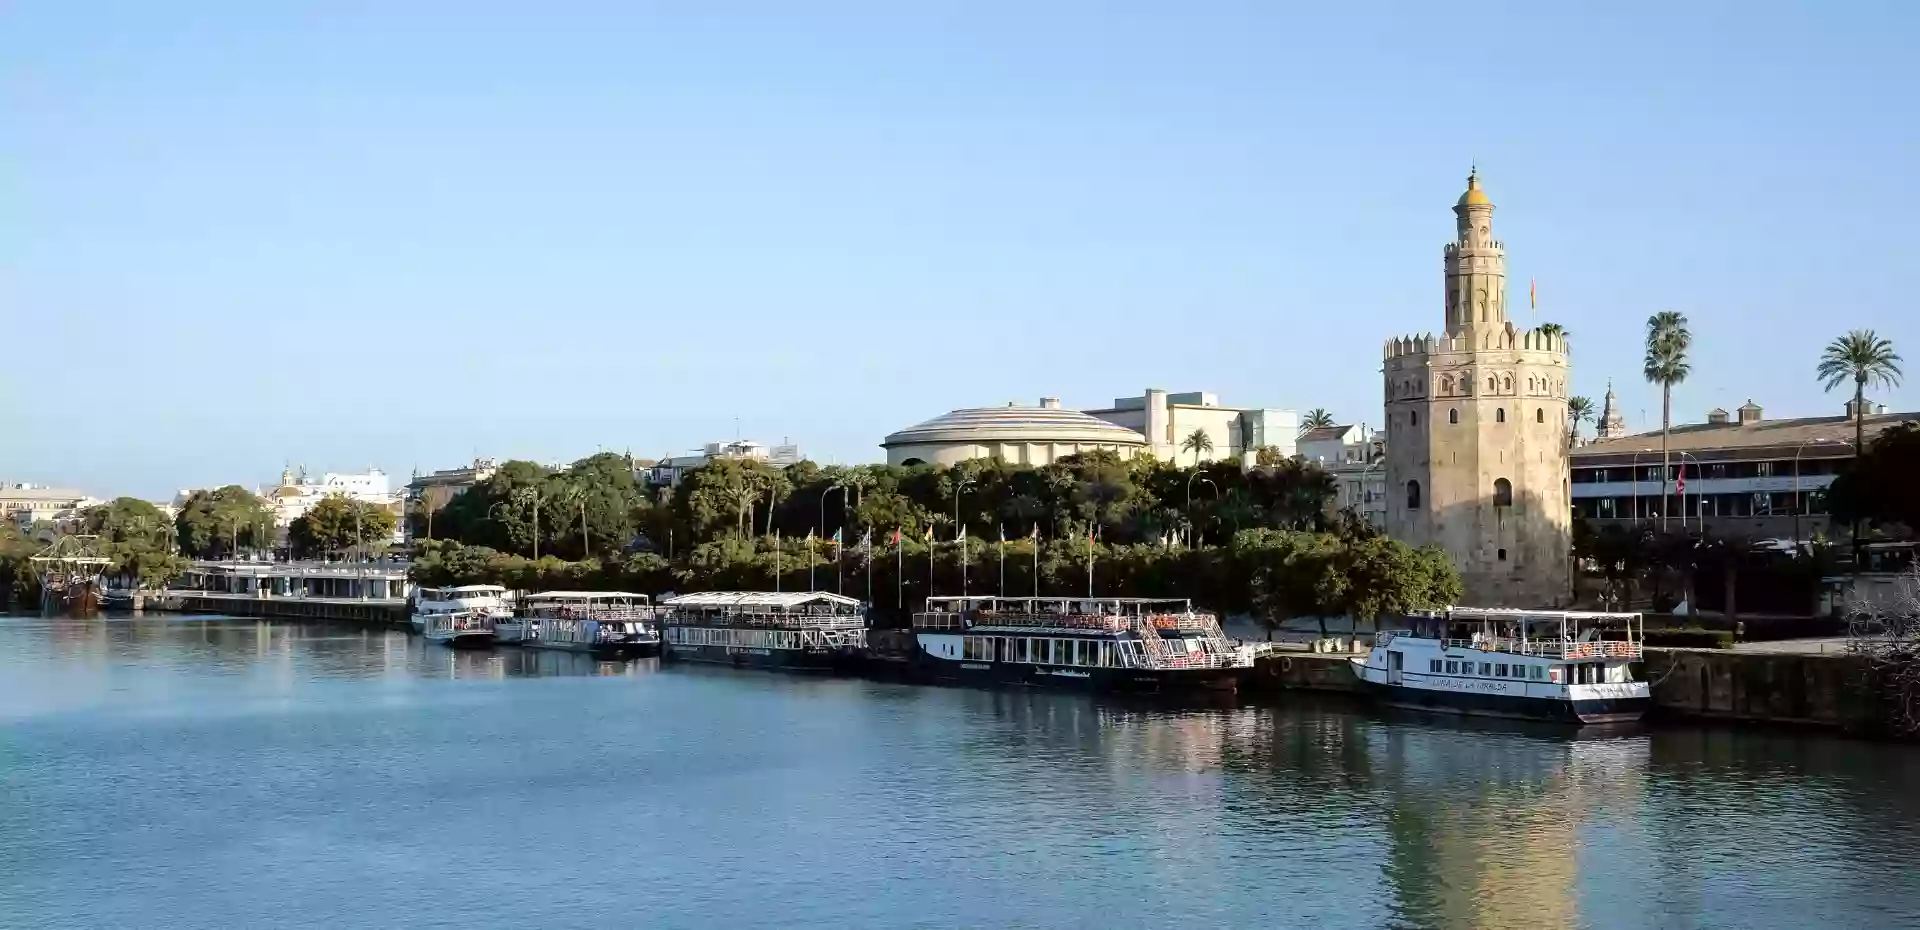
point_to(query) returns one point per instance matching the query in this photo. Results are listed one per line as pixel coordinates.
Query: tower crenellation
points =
(1476, 421)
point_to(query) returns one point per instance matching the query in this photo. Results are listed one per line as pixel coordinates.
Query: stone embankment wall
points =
(1818, 690)
(1300, 671)
(1825, 690)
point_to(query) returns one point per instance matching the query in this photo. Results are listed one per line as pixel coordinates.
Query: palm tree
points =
(1579, 410)
(1860, 356)
(1863, 358)
(1667, 343)
(1267, 456)
(1555, 330)
(1317, 418)
(1197, 442)
(742, 496)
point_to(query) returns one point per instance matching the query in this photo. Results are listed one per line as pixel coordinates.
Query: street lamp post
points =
(1798, 505)
(823, 525)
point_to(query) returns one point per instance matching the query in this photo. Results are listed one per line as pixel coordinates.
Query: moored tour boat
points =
(810, 631)
(616, 624)
(462, 629)
(489, 600)
(1538, 664)
(1128, 644)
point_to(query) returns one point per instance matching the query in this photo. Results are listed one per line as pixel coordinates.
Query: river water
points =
(210, 772)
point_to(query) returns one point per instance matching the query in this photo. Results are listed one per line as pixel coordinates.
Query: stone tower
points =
(1476, 431)
(1613, 424)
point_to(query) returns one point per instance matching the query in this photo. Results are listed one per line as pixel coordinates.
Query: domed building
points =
(1014, 433)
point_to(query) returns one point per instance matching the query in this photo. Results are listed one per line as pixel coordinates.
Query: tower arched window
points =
(1446, 384)
(1500, 415)
(1493, 384)
(1506, 384)
(1540, 415)
(1453, 415)
(1502, 492)
(1413, 419)
(1413, 495)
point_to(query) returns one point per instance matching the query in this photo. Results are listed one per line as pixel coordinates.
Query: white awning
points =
(764, 600)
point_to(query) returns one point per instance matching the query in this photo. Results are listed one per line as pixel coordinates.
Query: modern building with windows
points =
(1739, 475)
(26, 504)
(1236, 433)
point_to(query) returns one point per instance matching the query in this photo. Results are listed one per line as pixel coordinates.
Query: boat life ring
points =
(1286, 663)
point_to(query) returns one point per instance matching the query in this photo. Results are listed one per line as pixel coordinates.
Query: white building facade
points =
(1357, 458)
(1236, 434)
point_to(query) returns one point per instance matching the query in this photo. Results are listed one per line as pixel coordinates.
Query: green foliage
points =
(1317, 418)
(1579, 410)
(337, 524)
(220, 523)
(1879, 486)
(19, 584)
(1367, 576)
(139, 539)
(743, 524)
(1198, 443)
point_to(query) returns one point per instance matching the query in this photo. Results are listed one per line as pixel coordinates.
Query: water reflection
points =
(945, 807)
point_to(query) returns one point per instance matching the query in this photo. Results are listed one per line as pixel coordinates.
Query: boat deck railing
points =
(1544, 648)
(1064, 622)
(780, 620)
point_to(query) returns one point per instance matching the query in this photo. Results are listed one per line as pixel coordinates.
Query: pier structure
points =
(362, 581)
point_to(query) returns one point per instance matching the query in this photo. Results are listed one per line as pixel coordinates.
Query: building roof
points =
(1474, 195)
(1743, 440)
(39, 493)
(1325, 434)
(1014, 423)
(717, 600)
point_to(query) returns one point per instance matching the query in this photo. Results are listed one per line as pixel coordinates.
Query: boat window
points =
(1486, 668)
(1453, 668)
(1538, 672)
(1500, 670)
(1434, 665)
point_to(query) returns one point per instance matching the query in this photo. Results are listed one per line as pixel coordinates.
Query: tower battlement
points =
(1504, 338)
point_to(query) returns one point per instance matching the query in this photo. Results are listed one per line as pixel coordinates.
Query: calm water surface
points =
(211, 772)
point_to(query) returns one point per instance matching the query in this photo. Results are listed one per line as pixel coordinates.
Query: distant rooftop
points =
(1728, 439)
(1325, 433)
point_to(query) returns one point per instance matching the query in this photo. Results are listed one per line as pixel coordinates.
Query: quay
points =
(1812, 683)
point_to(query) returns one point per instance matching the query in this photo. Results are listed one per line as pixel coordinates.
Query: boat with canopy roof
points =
(1133, 644)
(1573, 666)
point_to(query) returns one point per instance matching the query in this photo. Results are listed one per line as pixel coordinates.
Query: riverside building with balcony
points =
(1738, 475)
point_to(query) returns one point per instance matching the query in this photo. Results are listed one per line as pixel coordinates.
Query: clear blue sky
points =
(238, 234)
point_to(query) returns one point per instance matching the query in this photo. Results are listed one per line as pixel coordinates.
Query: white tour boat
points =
(606, 623)
(490, 600)
(461, 629)
(1540, 664)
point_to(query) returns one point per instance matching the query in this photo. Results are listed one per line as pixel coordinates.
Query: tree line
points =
(1264, 540)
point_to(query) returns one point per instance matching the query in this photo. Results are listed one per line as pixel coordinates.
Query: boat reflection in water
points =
(535, 663)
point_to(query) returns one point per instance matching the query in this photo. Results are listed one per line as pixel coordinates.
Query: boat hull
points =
(464, 639)
(1076, 678)
(627, 650)
(1563, 710)
(790, 660)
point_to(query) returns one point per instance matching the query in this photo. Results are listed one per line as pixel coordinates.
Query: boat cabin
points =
(1115, 632)
(1557, 647)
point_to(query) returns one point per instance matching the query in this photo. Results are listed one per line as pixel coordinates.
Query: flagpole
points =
(776, 563)
(963, 561)
(866, 543)
(899, 571)
(1089, 563)
(1036, 560)
(929, 561)
(1003, 560)
(839, 558)
(809, 561)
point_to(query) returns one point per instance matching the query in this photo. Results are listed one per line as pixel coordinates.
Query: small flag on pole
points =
(1036, 532)
(836, 537)
(929, 536)
(1533, 297)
